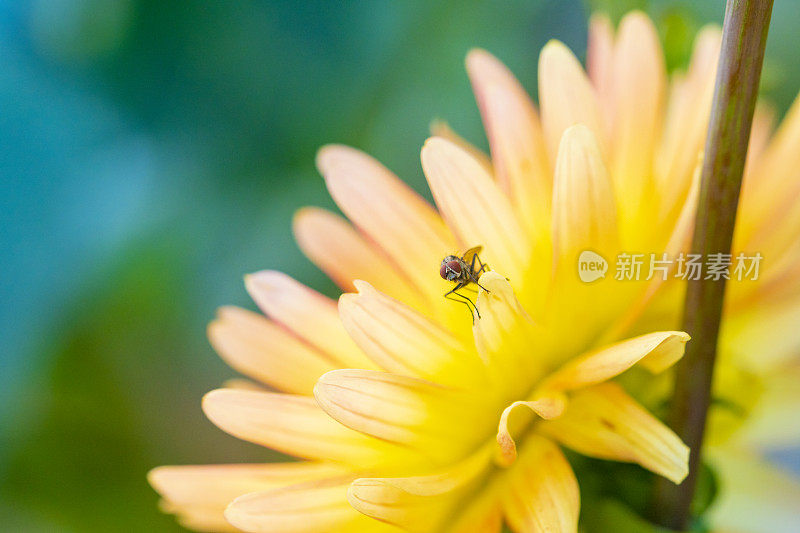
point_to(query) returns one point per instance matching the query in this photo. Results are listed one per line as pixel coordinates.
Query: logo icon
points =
(591, 266)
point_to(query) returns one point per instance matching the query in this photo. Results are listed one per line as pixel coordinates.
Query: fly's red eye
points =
(455, 266)
(443, 270)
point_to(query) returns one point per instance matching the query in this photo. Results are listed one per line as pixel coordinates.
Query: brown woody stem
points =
(743, 40)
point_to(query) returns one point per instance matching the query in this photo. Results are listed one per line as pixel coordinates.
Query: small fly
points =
(462, 271)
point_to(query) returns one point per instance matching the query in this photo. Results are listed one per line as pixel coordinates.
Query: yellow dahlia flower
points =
(407, 411)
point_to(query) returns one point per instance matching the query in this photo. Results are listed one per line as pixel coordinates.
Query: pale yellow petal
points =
(421, 504)
(584, 210)
(305, 508)
(604, 422)
(259, 348)
(746, 332)
(655, 351)
(292, 424)
(314, 318)
(392, 215)
(639, 92)
(772, 195)
(760, 136)
(566, 96)
(475, 208)
(755, 496)
(542, 494)
(345, 255)
(515, 137)
(772, 425)
(405, 342)
(436, 422)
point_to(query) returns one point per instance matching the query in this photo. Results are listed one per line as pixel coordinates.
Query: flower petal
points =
(404, 342)
(408, 230)
(257, 347)
(421, 503)
(292, 424)
(506, 338)
(303, 508)
(600, 62)
(755, 496)
(565, 95)
(687, 114)
(475, 208)
(584, 211)
(344, 255)
(773, 196)
(542, 494)
(773, 423)
(655, 351)
(218, 485)
(440, 128)
(518, 151)
(437, 423)
(547, 407)
(639, 88)
(311, 316)
(199, 518)
(604, 422)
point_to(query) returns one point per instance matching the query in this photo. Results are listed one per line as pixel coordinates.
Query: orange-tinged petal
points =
(257, 347)
(604, 422)
(688, 110)
(639, 88)
(304, 508)
(566, 96)
(600, 62)
(199, 518)
(291, 424)
(546, 407)
(475, 208)
(436, 422)
(408, 230)
(440, 128)
(542, 494)
(655, 351)
(311, 316)
(518, 151)
(405, 342)
(422, 503)
(345, 255)
(218, 485)
(243, 384)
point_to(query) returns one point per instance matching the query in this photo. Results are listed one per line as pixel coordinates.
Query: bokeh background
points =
(151, 153)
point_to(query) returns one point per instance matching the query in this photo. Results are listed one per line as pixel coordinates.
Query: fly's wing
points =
(469, 254)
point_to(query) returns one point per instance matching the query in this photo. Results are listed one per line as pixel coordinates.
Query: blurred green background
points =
(151, 153)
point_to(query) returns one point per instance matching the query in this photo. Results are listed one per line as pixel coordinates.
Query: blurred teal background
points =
(151, 153)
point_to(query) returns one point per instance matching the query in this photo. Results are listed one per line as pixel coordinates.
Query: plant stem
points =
(743, 40)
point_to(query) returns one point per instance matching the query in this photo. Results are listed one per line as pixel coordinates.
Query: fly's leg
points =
(458, 297)
(476, 274)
